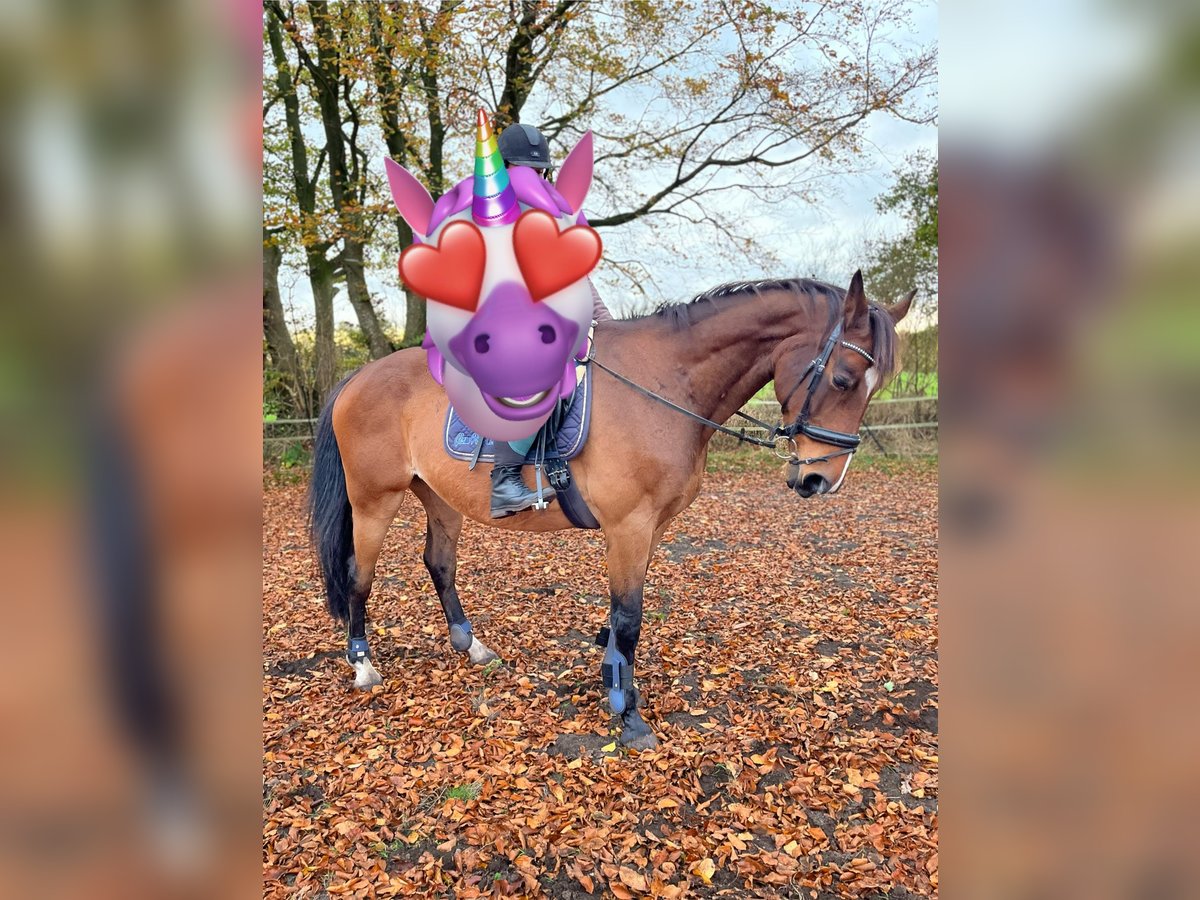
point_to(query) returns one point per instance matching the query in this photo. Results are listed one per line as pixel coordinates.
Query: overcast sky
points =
(808, 239)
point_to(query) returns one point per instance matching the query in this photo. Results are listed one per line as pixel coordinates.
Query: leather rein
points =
(848, 443)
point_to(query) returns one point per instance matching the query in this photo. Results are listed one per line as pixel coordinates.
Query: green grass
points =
(388, 850)
(467, 791)
(929, 385)
(742, 461)
(764, 462)
(929, 388)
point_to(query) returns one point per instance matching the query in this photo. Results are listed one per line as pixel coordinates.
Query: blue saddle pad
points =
(460, 440)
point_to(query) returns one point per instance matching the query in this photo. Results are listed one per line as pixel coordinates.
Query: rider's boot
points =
(509, 493)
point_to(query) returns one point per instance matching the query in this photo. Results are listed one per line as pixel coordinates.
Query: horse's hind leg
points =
(369, 533)
(443, 526)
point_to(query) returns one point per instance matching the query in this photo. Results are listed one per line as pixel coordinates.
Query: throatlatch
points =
(616, 673)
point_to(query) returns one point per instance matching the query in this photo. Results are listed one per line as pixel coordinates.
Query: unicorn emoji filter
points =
(502, 260)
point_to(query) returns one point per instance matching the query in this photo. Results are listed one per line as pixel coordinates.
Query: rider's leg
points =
(509, 492)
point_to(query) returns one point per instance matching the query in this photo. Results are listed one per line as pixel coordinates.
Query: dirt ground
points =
(788, 665)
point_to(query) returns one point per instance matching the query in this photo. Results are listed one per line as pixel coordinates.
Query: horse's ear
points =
(575, 176)
(900, 310)
(411, 199)
(856, 302)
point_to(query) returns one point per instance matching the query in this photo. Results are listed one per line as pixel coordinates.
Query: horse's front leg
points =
(628, 559)
(443, 526)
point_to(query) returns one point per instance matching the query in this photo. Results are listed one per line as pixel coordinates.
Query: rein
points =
(848, 442)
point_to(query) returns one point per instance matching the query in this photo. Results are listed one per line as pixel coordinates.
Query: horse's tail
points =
(330, 521)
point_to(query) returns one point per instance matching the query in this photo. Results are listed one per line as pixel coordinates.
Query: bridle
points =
(846, 442)
(816, 369)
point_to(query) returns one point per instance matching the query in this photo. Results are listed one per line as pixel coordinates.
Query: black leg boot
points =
(509, 493)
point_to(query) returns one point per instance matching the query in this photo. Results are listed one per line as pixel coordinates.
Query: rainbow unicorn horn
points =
(495, 201)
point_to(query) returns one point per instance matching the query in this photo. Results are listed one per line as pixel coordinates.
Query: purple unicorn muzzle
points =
(518, 352)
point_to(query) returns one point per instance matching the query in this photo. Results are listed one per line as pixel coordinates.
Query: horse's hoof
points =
(480, 653)
(365, 675)
(635, 733)
(644, 741)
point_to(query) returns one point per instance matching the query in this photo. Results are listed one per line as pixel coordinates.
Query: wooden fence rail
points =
(768, 409)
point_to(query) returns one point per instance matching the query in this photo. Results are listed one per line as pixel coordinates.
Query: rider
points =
(524, 145)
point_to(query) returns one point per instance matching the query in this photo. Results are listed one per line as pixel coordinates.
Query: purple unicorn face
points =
(509, 299)
(517, 351)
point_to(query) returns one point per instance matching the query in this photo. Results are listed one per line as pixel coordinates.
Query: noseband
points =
(814, 372)
(802, 426)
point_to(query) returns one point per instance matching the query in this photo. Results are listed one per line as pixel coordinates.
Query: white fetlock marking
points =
(478, 650)
(181, 833)
(365, 674)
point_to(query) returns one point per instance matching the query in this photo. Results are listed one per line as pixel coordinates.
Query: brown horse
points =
(827, 350)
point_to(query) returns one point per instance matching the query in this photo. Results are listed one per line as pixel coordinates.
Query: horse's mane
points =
(808, 291)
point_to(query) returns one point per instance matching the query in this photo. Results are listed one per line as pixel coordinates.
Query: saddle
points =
(568, 424)
(560, 439)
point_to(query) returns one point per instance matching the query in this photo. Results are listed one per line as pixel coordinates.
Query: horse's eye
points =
(843, 382)
(481, 344)
(548, 334)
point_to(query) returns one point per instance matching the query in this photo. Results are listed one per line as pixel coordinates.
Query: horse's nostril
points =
(481, 344)
(548, 334)
(817, 484)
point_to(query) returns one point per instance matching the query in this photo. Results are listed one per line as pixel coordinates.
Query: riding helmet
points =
(523, 145)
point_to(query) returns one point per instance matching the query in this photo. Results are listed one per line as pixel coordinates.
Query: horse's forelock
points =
(883, 336)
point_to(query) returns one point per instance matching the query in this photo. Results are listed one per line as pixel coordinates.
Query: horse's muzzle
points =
(809, 485)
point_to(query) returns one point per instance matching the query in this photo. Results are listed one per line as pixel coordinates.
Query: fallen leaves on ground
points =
(788, 664)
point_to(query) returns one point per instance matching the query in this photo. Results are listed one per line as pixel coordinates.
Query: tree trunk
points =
(279, 339)
(414, 319)
(320, 270)
(320, 275)
(327, 81)
(360, 299)
(389, 89)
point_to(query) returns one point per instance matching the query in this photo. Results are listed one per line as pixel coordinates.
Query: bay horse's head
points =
(502, 259)
(823, 394)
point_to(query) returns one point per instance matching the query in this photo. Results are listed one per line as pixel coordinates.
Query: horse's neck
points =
(726, 358)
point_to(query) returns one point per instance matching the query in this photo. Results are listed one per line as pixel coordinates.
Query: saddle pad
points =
(460, 440)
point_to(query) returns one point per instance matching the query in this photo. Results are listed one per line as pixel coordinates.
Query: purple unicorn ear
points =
(533, 190)
(453, 201)
(575, 176)
(409, 195)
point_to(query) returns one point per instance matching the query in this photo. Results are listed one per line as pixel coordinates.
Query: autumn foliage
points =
(788, 663)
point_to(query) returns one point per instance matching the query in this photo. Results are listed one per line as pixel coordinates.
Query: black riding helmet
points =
(523, 145)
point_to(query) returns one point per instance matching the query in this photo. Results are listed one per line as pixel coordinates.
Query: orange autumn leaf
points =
(632, 879)
(412, 791)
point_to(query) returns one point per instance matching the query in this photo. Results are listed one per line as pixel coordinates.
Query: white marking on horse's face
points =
(845, 469)
(478, 651)
(872, 379)
(365, 674)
